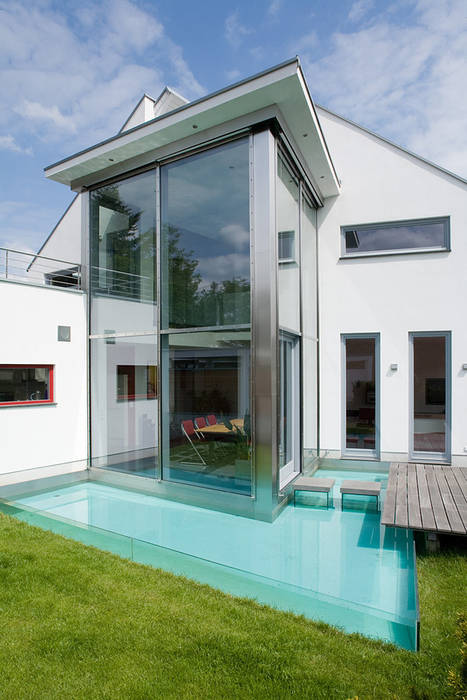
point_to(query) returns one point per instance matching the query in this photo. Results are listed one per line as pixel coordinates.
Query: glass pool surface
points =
(340, 567)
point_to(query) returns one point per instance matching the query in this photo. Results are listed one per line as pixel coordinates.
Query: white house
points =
(250, 284)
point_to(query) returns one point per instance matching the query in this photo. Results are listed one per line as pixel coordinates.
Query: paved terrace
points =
(426, 497)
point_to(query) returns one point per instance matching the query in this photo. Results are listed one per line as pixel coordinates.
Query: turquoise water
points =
(358, 502)
(340, 567)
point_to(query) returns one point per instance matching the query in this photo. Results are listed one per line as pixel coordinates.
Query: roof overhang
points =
(283, 86)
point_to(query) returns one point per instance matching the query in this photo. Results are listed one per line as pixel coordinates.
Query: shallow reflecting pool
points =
(340, 567)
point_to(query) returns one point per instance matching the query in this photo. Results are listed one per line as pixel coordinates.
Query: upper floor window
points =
(412, 236)
(26, 384)
(286, 246)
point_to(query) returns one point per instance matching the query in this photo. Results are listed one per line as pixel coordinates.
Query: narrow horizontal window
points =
(415, 235)
(136, 382)
(286, 246)
(26, 384)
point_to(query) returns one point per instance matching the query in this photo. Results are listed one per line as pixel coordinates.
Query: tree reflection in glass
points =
(206, 239)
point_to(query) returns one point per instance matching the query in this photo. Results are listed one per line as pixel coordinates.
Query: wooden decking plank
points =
(457, 495)
(389, 510)
(426, 511)
(461, 480)
(415, 519)
(402, 518)
(442, 522)
(453, 516)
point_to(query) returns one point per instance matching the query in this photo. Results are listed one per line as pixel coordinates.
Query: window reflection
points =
(429, 398)
(123, 255)
(206, 238)
(124, 410)
(360, 393)
(399, 235)
(207, 412)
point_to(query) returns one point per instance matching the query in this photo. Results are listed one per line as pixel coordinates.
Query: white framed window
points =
(396, 237)
(286, 246)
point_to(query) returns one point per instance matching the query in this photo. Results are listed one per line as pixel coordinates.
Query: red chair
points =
(188, 429)
(211, 419)
(200, 423)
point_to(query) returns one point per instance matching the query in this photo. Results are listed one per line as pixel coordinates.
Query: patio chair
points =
(188, 430)
(200, 423)
(211, 419)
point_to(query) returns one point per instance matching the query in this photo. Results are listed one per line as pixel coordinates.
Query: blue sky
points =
(70, 74)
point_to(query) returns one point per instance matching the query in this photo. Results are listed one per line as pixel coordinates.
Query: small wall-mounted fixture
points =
(464, 366)
(64, 334)
(394, 366)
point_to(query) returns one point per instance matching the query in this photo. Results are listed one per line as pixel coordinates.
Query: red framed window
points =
(25, 385)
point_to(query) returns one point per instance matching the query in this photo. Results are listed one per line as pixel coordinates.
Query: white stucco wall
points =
(391, 295)
(64, 243)
(35, 436)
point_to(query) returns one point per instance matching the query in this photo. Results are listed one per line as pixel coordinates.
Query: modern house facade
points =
(251, 284)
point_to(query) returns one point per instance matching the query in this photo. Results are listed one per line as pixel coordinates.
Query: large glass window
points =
(123, 255)
(206, 409)
(431, 386)
(361, 358)
(123, 352)
(288, 226)
(205, 274)
(396, 237)
(206, 238)
(26, 384)
(124, 409)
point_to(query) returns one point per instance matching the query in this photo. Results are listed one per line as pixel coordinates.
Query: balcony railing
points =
(29, 268)
(124, 285)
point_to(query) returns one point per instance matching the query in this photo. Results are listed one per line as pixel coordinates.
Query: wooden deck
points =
(426, 497)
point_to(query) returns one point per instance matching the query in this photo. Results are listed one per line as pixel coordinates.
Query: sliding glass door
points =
(430, 437)
(360, 359)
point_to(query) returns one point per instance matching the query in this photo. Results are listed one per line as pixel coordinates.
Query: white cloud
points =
(223, 267)
(24, 225)
(304, 43)
(359, 9)
(8, 143)
(36, 111)
(405, 82)
(232, 74)
(274, 7)
(235, 32)
(235, 235)
(73, 75)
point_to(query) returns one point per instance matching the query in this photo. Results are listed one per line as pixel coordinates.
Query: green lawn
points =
(80, 623)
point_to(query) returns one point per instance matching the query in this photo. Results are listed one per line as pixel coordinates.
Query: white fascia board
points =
(282, 86)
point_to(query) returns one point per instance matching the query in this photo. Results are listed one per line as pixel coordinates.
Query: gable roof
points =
(391, 143)
(148, 108)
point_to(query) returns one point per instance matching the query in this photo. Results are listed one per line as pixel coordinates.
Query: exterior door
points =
(361, 403)
(430, 396)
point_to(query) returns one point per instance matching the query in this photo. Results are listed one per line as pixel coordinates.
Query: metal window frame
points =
(264, 502)
(164, 332)
(419, 456)
(446, 248)
(346, 452)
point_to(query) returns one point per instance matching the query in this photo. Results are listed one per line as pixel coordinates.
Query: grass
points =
(80, 623)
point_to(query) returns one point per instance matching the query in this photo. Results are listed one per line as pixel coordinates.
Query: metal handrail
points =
(39, 270)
